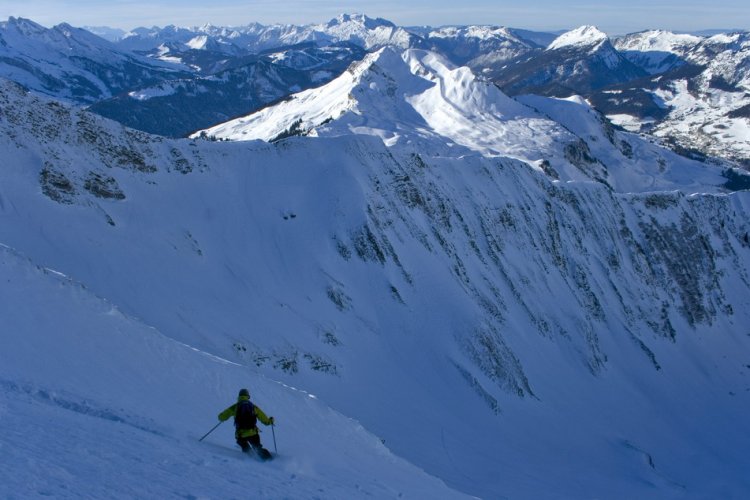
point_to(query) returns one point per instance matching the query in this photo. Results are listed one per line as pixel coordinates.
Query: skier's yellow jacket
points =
(229, 412)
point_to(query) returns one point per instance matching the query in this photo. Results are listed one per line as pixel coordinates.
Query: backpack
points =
(244, 415)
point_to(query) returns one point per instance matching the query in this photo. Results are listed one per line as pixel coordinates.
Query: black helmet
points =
(244, 392)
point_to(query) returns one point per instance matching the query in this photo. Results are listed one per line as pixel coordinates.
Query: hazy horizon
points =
(614, 17)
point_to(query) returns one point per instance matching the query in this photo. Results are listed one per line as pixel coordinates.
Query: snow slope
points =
(95, 404)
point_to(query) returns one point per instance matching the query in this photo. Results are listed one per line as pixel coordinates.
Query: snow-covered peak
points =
(657, 40)
(66, 29)
(582, 37)
(355, 28)
(365, 31)
(359, 20)
(411, 95)
(479, 33)
(417, 98)
(725, 38)
(84, 39)
(198, 43)
(23, 26)
(28, 39)
(489, 32)
(141, 39)
(478, 46)
(25, 35)
(414, 97)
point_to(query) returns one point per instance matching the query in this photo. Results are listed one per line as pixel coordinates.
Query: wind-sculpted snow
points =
(506, 332)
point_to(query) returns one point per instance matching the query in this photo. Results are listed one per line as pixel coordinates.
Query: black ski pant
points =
(246, 442)
(254, 441)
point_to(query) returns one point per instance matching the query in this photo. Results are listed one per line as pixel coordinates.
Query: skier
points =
(246, 415)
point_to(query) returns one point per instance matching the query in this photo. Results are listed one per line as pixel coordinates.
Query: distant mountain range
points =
(690, 91)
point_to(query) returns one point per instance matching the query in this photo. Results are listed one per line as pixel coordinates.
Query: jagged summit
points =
(361, 20)
(368, 32)
(400, 95)
(359, 29)
(582, 37)
(24, 26)
(26, 35)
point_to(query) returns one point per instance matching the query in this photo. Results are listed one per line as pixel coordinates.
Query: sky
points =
(614, 17)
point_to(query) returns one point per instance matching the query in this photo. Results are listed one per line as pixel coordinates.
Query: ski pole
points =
(209, 432)
(274, 438)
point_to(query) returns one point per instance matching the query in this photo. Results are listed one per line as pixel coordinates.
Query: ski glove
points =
(271, 419)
